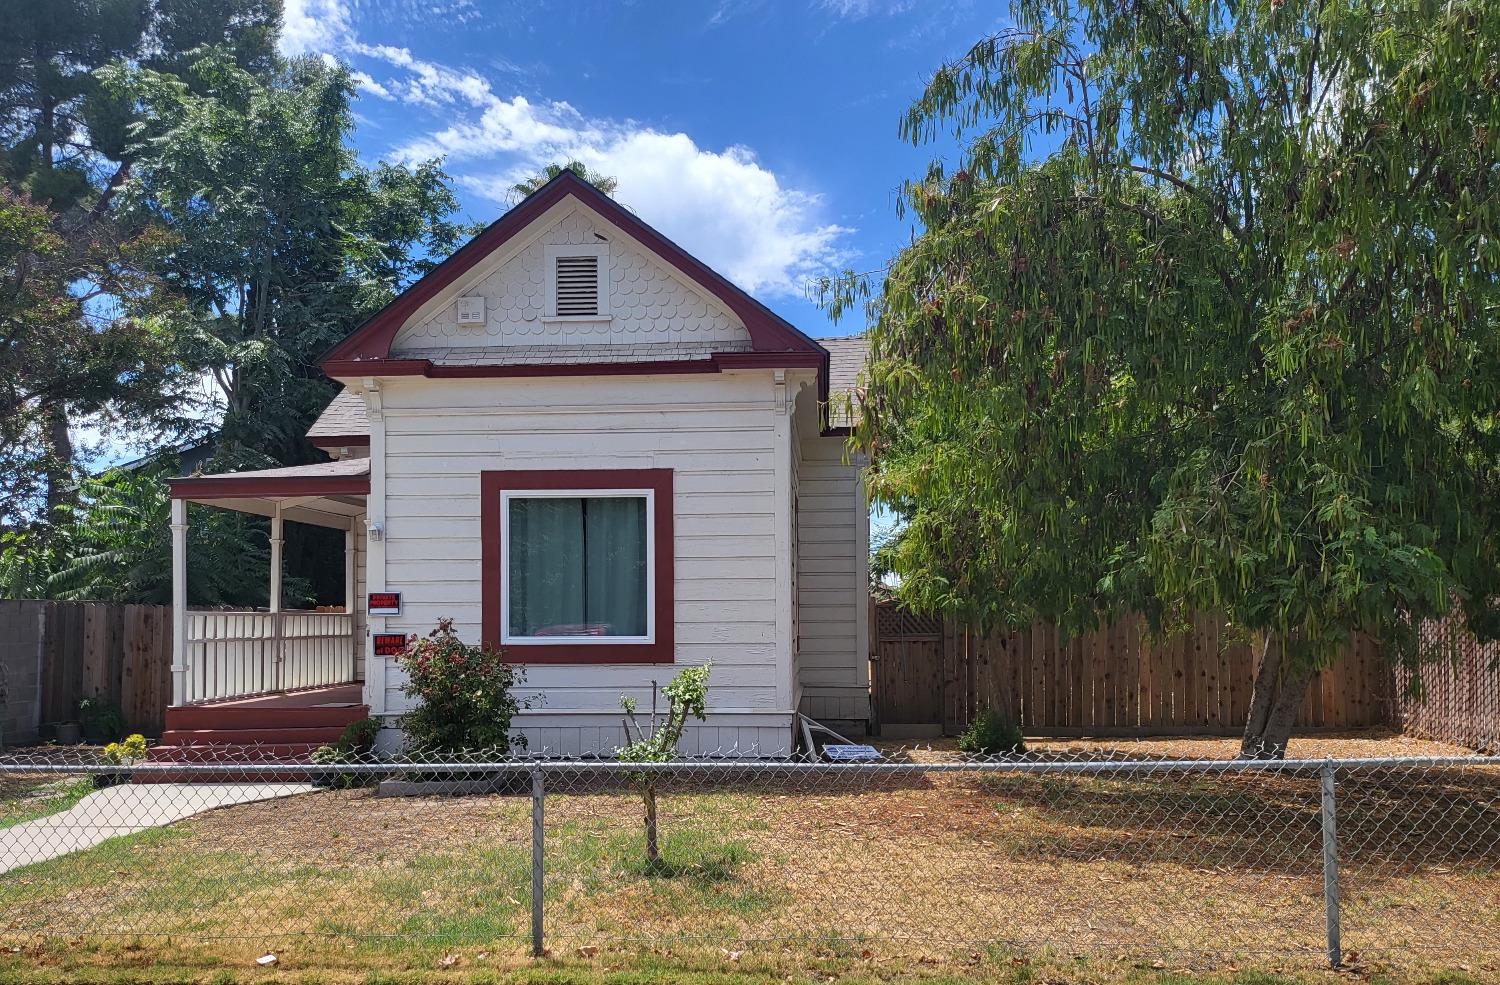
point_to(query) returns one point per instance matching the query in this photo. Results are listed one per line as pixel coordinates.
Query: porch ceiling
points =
(325, 494)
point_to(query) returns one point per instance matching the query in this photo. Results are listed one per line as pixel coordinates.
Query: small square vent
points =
(471, 311)
(577, 279)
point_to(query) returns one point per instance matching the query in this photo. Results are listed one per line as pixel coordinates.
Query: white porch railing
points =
(237, 654)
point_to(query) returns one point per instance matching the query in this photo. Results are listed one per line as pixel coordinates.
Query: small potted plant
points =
(102, 720)
(124, 754)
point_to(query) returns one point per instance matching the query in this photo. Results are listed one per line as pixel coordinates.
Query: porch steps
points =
(255, 731)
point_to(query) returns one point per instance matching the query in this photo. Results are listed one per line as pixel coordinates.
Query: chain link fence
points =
(1308, 861)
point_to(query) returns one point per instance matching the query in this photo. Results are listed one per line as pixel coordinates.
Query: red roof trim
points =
(353, 368)
(372, 340)
(492, 556)
(340, 441)
(259, 487)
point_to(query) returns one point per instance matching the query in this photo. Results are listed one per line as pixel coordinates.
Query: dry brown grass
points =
(1216, 870)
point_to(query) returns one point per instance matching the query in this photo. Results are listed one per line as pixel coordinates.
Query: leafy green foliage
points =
(687, 696)
(353, 743)
(93, 335)
(465, 704)
(1204, 320)
(287, 242)
(991, 734)
(56, 359)
(599, 180)
(102, 720)
(114, 544)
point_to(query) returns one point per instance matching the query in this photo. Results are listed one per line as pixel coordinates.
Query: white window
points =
(578, 566)
(577, 283)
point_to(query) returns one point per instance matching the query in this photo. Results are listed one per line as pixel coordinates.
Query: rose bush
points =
(465, 704)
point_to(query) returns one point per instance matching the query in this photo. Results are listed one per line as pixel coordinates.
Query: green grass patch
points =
(28, 802)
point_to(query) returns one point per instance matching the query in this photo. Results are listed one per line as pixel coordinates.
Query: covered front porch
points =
(244, 659)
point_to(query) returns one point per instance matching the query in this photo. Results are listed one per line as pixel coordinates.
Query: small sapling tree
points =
(657, 743)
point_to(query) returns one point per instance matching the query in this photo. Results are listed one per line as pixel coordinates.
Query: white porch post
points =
(179, 601)
(355, 642)
(276, 542)
(349, 571)
(278, 657)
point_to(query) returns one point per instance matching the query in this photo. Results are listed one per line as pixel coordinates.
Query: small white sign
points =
(471, 311)
(849, 752)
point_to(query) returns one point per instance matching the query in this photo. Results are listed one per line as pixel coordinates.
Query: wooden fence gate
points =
(928, 676)
(909, 654)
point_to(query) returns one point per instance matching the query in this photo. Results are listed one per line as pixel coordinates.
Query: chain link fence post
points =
(538, 797)
(1331, 867)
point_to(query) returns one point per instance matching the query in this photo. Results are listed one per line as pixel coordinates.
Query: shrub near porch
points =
(465, 705)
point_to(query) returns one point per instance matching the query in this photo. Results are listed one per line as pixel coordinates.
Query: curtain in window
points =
(577, 567)
(615, 565)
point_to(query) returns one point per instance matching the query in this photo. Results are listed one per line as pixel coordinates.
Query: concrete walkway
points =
(125, 809)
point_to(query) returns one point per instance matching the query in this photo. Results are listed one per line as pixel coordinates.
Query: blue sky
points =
(759, 134)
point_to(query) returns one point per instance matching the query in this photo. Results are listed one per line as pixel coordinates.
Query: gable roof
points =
(847, 357)
(769, 332)
(344, 422)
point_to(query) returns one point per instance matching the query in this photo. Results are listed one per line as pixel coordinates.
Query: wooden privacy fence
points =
(57, 653)
(1115, 681)
(1454, 697)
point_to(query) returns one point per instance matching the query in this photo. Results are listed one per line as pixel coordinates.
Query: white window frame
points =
(649, 495)
(598, 251)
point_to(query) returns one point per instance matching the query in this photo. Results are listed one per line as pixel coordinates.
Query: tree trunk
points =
(653, 855)
(60, 485)
(1274, 700)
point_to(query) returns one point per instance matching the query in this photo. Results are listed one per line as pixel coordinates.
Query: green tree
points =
(687, 696)
(598, 179)
(63, 148)
(113, 544)
(287, 242)
(1204, 319)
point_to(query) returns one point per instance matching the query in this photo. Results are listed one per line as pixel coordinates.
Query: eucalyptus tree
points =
(285, 241)
(1204, 318)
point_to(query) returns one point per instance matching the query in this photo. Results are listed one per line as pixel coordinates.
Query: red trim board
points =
(250, 487)
(492, 556)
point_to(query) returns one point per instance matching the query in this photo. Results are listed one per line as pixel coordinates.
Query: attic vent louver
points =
(577, 285)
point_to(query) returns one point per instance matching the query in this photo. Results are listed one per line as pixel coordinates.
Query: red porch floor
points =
(333, 696)
(273, 728)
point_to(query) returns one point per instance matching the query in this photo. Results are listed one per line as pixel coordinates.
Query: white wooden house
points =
(584, 446)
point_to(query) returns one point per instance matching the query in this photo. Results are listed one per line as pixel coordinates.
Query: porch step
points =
(249, 738)
(193, 718)
(266, 756)
(259, 731)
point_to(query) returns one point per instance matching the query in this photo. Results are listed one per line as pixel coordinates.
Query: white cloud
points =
(860, 9)
(366, 84)
(314, 26)
(723, 206)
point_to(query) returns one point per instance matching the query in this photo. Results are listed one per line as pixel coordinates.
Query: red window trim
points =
(492, 555)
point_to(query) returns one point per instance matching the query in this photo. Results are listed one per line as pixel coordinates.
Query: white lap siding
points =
(716, 432)
(832, 585)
